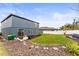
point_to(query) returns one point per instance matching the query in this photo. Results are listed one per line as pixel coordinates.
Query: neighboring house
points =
(14, 24)
(47, 28)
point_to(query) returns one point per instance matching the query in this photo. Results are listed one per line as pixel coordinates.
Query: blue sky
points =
(49, 15)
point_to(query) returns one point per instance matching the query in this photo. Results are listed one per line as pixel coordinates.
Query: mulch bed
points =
(17, 48)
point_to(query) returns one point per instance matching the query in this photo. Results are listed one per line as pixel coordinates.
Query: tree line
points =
(73, 26)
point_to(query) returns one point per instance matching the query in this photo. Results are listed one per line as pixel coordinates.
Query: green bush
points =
(74, 50)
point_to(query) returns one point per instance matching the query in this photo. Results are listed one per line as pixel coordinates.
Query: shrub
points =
(74, 49)
(1, 33)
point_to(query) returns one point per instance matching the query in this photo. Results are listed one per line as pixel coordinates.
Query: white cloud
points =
(63, 18)
(57, 16)
(56, 19)
(37, 9)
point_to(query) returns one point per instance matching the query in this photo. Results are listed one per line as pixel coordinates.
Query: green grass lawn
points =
(53, 39)
(3, 51)
(47, 39)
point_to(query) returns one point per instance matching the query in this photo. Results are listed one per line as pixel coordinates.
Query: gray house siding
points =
(7, 23)
(5, 26)
(18, 22)
(12, 30)
(7, 31)
(30, 28)
(12, 24)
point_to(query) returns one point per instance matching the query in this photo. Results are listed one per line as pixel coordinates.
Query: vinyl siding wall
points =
(18, 22)
(7, 23)
(11, 25)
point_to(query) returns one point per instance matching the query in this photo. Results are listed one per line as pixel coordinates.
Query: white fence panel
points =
(62, 32)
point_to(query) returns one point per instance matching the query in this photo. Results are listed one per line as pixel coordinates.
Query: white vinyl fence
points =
(62, 32)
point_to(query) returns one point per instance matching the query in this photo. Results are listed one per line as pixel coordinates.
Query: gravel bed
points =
(17, 48)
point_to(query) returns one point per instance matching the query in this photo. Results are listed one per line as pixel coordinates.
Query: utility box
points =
(11, 37)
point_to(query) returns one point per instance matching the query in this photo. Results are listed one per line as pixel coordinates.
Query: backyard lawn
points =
(3, 51)
(47, 39)
(17, 47)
